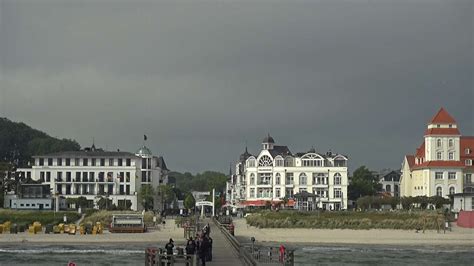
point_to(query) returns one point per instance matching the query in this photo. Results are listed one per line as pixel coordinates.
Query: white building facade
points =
(442, 165)
(276, 173)
(94, 173)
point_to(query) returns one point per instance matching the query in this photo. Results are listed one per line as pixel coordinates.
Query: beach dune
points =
(458, 236)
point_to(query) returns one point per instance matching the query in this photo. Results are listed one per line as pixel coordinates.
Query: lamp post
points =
(461, 205)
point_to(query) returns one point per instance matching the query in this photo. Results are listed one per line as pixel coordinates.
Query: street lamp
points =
(461, 205)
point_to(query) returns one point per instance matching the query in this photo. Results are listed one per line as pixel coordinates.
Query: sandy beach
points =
(457, 237)
(156, 236)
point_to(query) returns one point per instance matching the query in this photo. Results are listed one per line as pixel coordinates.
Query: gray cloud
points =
(358, 77)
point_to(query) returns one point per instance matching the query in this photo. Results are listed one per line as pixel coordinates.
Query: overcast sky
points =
(202, 78)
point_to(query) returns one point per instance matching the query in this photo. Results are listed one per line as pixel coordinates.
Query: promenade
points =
(222, 252)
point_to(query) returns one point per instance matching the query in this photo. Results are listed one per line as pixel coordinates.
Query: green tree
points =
(189, 201)
(363, 183)
(167, 193)
(145, 196)
(82, 202)
(104, 203)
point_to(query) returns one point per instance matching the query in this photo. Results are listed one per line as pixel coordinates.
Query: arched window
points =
(438, 143)
(388, 188)
(251, 162)
(395, 188)
(252, 179)
(337, 179)
(452, 190)
(277, 179)
(265, 161)
(303, 179)
(439, 191)
(279, 161)
(289, 162)
(450, 142)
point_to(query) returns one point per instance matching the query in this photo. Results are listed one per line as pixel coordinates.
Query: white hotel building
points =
(276, 173)
(94, 173)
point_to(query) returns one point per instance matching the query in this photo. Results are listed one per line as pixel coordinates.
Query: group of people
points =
(201, 245)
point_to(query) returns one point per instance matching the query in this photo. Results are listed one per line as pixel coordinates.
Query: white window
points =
(388, 188)
(302, 189)
(251, 163)
(439, 191)
(451, 156)
(337, 193)
(303, 179)
(468, 162)
(289, 162)
(277, 179)
(289, 192)
(438, 142)
(451, 175)
(337, 179)
(439, 175)
(467, 178)
(289, 179)
(252, 179)
(439, 156)
(467, 151)
(452, 190)
(252, 192)
(450, 143)
(277, 193)
(279, 162)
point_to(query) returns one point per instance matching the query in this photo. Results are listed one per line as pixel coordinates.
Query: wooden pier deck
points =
(222, 251)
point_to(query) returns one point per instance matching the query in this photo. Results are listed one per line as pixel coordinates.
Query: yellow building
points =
(442, 165)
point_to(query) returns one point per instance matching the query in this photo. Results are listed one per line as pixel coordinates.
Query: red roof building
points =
(442, 164)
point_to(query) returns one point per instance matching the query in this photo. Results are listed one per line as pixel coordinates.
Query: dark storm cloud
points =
(200, 79)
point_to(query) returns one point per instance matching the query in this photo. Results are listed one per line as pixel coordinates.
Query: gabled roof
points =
(442, 131)
(162, 164)
(420, 152)
(411, 161)
(442, 117)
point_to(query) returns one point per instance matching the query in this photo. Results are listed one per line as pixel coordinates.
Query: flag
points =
(145, 137)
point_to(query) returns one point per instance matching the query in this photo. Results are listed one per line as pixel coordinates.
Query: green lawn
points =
(28, 217)
(347, 220)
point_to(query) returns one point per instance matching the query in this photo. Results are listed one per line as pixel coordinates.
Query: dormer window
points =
(467, 151)
(450, 125)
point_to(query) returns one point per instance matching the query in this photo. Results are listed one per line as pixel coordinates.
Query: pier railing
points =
(253, 255)
(158, 257)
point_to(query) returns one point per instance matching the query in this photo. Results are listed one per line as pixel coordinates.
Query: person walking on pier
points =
(203, 250)
(209, 250)
(190, 249)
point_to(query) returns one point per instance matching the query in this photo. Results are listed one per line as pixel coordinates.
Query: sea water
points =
(134, 254)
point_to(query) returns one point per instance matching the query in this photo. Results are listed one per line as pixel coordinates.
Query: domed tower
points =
(268, 142)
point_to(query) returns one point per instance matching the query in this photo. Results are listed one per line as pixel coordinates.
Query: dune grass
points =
(105, 217)
(44, 217)
(347, 220)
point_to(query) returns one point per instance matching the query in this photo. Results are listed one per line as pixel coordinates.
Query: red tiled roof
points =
(434, 164)
(442, 117)
(420, 152)
(410, 160)
(442, 131)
